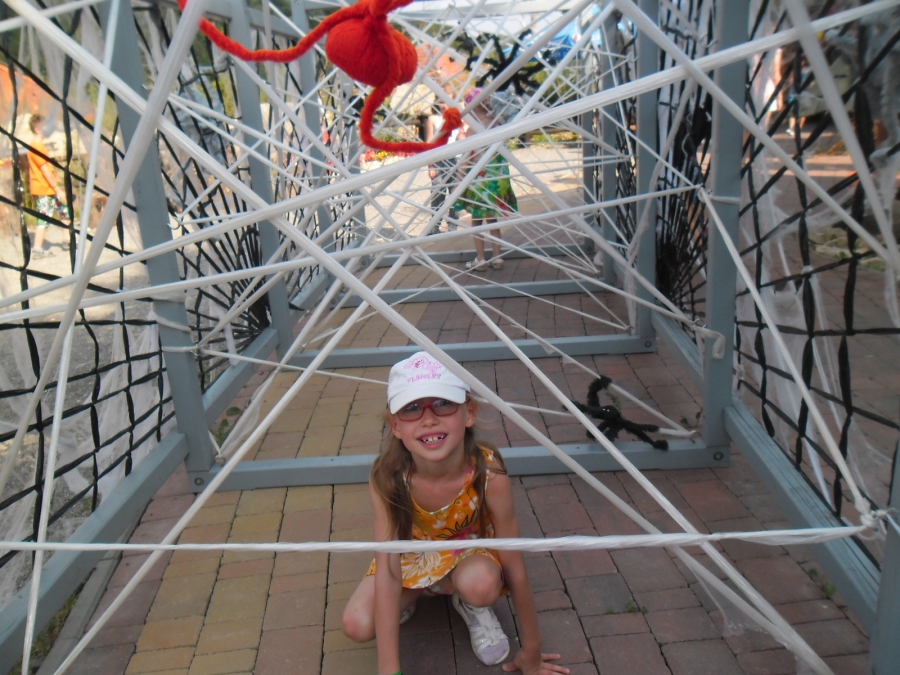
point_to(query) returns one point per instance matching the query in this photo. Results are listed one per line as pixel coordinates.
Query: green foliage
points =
(828, 588)
(221, 430)
(558, 137)
(224, 426)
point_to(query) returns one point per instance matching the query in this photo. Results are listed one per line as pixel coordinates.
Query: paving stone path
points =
(625, 612)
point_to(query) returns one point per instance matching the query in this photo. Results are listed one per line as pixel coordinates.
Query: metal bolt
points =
(719, 456)
(198, 481)
(648, 344)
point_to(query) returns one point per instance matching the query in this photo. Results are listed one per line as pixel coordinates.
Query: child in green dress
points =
(489, 197)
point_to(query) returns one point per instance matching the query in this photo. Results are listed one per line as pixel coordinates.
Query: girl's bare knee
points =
(357, 627)
(479, 583)
(480, 593)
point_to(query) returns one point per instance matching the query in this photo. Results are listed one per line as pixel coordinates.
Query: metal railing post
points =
(725, 185)
(149, 192)
(884, 654)
(648, 133)
(308, 82)
(608, 127)
(249, 101)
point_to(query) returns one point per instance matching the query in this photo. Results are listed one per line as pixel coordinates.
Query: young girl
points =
(488, 197)
(435, 481)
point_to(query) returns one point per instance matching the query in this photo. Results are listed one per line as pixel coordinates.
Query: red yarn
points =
(365, 46)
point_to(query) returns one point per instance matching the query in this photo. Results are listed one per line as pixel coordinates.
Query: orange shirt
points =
(458, 520)
(37, 182)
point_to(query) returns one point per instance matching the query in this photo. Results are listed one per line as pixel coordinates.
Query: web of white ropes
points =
(385, 191)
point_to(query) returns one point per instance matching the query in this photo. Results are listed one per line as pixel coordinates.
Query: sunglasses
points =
(414, 411)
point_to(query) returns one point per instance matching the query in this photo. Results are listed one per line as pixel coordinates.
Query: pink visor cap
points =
(421, 376)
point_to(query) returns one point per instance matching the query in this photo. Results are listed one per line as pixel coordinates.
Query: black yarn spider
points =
(612, 423)
(521, 80)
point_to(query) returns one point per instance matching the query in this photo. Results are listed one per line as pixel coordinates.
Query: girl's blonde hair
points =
(392, 467)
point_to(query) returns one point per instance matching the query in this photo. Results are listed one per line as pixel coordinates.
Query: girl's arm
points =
(529, 658)
(388, 587)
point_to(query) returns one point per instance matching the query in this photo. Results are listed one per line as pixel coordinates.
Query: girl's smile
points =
(434, 439)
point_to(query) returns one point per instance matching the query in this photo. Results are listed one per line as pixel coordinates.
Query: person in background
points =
(490, 196)
(45, 189)
(442, 174)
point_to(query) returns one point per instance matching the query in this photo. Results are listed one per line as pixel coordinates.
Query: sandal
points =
(497, 263)
(477, 265)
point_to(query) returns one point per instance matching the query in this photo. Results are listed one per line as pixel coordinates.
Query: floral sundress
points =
(491, 194)
(458, 520)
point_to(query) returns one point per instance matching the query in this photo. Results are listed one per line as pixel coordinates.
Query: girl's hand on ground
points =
(534, 666)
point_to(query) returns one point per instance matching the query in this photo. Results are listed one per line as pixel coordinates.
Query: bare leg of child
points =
(496, 260)
(478, 582)
(479, 262)
(358, 621)
(479, 240)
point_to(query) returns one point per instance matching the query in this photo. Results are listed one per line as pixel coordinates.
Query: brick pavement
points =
(609, 613)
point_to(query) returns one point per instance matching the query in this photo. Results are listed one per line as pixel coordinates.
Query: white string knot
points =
(874, 521)
(718, 339)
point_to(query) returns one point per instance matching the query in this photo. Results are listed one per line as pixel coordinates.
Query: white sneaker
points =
(477, 265)
(407, 613)
(489, 642)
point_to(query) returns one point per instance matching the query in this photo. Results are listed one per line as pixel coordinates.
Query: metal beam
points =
(520, 461)
(684, 348)
(248, 96)
(484, 351)
(64, 572)
(648, 132)
(465, 255)
(444, 11)
(725, 183)
(852, 572)
(223, 9)
(884, 657)
(608, 129)
(513, 290)
(182, 370)
(229, 384)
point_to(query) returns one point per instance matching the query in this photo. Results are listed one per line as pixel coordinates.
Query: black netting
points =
(824, 282)
(117, 403)
(827, 289)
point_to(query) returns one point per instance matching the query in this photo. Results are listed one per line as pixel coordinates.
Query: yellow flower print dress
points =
(458, 520)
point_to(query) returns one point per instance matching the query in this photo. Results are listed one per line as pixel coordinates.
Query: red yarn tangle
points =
(365, 46)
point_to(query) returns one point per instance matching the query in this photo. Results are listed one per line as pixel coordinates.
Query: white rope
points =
(228, 467)
(50, 12)
(569, 543)
(891, 257)
(859, 501)
(128, 170)
(63, 380)
(813, 53)
(344, 187)
(357, 182)
(777, 625)
(257, 272)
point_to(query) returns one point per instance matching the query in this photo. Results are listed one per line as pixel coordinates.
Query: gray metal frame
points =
(647, 121)
(520, 461)
(248, 97)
